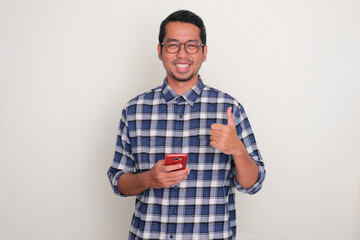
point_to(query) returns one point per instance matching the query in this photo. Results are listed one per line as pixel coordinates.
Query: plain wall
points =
(67, 68)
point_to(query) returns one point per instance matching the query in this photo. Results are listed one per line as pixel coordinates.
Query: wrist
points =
(146, 179)
(239, 150)
(237, 155)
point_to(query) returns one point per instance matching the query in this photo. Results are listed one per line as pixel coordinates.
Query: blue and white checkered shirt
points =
(159, 122)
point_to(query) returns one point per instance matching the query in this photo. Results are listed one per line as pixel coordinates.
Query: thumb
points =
(230, 118)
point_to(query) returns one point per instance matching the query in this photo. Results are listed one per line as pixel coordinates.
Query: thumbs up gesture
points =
(224, 137)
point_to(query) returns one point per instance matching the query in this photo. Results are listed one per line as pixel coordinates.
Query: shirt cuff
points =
(114, 178)
(257, 186)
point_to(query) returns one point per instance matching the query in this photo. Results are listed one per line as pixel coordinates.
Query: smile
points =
(182, 67)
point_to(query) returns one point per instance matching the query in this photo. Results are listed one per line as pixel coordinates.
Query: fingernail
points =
(180, 165)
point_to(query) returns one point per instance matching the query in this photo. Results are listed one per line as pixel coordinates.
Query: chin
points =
(183, 79)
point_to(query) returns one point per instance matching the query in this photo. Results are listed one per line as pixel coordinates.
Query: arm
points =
(225, 138)
(247, 171)
(123, 175)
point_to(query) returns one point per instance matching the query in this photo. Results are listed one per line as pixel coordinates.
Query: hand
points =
(224, 137)
(164, 176)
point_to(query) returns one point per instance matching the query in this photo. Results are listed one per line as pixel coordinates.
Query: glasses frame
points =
(174, 40)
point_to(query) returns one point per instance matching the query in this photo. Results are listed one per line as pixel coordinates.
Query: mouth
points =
(182, 67)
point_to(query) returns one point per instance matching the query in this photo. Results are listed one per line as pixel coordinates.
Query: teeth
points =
(182, 65)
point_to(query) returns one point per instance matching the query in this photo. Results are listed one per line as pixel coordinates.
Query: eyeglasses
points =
(191, 47)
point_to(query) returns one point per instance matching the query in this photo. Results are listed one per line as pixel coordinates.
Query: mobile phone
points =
(176, 158)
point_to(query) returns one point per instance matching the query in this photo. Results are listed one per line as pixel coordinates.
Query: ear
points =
(159, 51)
(205, 53)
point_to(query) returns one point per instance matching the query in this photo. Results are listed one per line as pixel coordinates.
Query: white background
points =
(67, 68)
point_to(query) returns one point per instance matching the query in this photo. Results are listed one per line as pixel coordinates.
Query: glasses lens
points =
(172, 46)
(192, 47)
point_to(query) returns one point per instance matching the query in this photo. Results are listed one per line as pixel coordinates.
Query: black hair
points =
(183, 16)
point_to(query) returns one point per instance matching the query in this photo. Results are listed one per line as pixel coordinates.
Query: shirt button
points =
(174, 212)
(179, 139)
(180, 116)
(171, 236)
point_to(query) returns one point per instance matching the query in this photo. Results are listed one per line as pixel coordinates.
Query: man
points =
(184, 116)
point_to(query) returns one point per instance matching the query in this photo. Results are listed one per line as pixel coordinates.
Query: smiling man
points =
(182, 67)
(184, 115)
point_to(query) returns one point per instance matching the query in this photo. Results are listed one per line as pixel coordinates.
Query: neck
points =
(181, 87)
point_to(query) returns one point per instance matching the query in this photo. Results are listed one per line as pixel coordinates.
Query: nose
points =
(182, 52)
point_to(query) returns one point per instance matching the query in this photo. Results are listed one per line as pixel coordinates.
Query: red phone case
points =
(176, 158)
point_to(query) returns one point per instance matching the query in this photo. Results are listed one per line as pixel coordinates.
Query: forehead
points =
(182, 31)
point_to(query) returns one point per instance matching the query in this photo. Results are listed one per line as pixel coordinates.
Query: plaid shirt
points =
(159, 122)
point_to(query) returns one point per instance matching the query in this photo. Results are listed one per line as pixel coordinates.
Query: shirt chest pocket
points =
(147, 143)
(147, 150)
(151, 141)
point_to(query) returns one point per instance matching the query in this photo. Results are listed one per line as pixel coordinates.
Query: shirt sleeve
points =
(123, 161)
(247, 137)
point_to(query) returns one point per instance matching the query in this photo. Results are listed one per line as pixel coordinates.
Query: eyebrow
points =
(173, 39)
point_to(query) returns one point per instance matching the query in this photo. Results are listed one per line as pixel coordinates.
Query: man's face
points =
(182, 66)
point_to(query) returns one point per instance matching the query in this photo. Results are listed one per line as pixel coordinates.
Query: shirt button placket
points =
(174, 190)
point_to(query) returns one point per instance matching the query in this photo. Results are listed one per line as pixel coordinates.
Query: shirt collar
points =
(190, 96)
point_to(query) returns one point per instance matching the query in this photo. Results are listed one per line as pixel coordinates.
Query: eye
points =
(192, 45)
(172, 44)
